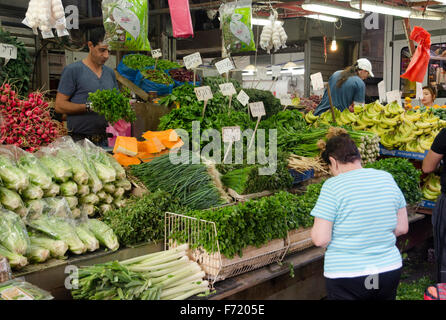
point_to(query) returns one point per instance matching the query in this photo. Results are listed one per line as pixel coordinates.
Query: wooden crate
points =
(298, 240)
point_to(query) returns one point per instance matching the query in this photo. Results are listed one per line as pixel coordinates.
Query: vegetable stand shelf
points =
(51, 275)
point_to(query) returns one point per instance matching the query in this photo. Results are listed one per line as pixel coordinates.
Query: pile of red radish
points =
(27, 124)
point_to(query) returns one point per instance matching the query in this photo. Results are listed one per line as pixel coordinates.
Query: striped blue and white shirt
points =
(363, 206)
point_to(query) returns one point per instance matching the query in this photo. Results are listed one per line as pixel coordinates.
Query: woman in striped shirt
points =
(358, 215)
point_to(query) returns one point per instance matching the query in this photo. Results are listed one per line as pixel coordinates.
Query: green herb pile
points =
(413, 290)
(140, 62)
(142, 219)
(113, 105)
(194, 184)
(255, 222)
(271, 103)
(16, 72)
(246, 180)
(157, 76)
(214, 83)
(406, 176)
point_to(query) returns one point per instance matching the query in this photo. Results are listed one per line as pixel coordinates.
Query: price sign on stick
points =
(243, 98)
(286, 101)
(382, 91)
(394, 95)
(224, 66)
(204, 94)
(156, 54)
(276, 71)
(257, 110)
(231, 135)
(419, 91)
(228, 90)
(8, 52)
(317, 81)
(192, 61)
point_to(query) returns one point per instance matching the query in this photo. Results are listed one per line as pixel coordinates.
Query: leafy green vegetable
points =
(15, 260)
(413, 290)
(406, 176)
(37, 254)
(57, 248)
(68, 189)
(61, 170)
(112, 105)
(84, 233)
(12, 176)
(33, 192)
(37, 173)
(140, 62)
(103, 233)
(10, 199)
(157, 76)
(13, 235)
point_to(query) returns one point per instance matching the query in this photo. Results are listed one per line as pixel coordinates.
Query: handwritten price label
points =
(394, 95)
(192, 61)
(157, 53)
(231, 134)
(224, 66)
(285, 100)
(276, 71)
(257, 109)
(227, 89)
(261, 73)
(419, 91)
(8, 51)
(203, 93)
(382, 91)
(243, 98)
(317, 81)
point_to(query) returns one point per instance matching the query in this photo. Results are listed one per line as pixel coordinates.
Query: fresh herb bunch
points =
(157, 76)
(413, 290)
(271, 103)
(183, 75)
(17, 71)
(191, 183)
(286, 122)
(406, 176)
(142, 219)
(214, 83)
(113, 105)
(140, 62)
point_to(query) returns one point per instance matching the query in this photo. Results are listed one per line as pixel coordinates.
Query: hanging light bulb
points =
(334, 45)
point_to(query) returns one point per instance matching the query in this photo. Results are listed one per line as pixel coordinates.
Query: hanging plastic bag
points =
(236, 20)
(120, 128)
(126, 24)
(418, 64)
(181, 19)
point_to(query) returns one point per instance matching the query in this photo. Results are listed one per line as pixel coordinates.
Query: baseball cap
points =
(364, 64)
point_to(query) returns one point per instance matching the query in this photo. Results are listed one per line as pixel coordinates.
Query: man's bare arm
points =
(64, 106)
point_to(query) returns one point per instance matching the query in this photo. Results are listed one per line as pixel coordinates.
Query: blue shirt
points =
(363, 206)
(353, 89)
(77, 81)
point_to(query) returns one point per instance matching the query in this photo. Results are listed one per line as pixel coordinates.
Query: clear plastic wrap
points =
(11, 175)
(59, 168)
(103, 233)
(100, 160)
(57, 248)
(13, 234)
(11, 200)
(17, 289)
(38, 174)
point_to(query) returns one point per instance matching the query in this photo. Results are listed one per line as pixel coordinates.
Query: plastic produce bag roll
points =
(181, 19)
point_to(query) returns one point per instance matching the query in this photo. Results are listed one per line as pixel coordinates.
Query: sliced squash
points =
(126, 145)
(125, 160)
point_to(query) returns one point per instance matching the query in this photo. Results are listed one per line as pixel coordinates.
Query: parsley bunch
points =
(113, 105)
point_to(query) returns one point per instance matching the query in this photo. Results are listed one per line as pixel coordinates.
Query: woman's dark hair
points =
(96, 35)
(342, 148)
(347, 73)
(432, 91)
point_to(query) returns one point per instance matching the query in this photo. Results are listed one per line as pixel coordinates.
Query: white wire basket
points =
(180, 229)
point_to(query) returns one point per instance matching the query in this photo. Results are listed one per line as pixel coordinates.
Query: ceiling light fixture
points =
(322, 17)
(427, 15)
(322, 7)
(372, 6)
(264, 22)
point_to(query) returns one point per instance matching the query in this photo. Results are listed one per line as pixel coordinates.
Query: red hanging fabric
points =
(181, 19)
(418, 64)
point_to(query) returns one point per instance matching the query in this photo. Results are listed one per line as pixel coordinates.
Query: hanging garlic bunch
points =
(46, 15)
(273, 35)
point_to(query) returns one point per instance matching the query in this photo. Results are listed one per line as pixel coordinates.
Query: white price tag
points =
(157, 53)
(394, 95)
(243, 98)
(382, 91)
(203, 93)
(419, 91)
(317, 81)
(227, 89)
(276, 71)
(285, 100)
(257, 109)
(8, 51)
(224, 66)
(192, 61)
(261, 73)
(231, 134)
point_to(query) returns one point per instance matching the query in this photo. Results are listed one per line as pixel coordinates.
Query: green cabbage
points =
(89, 199)
(87, 237)
(57, 206)
(105, 173)
(16, 260)
(124, 184)
(37, 254)
(68, 189)
(61, 229)
(12, 176)
(80, 174)
(33, 192)
(57, 248)
(10, 199)
(59, 168)
(109, 188)
(83, 190)
(52, 191)
(103, 233)
(37, 173)
(13, 234)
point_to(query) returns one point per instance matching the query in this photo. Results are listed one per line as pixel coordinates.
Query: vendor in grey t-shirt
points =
(77, 81)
